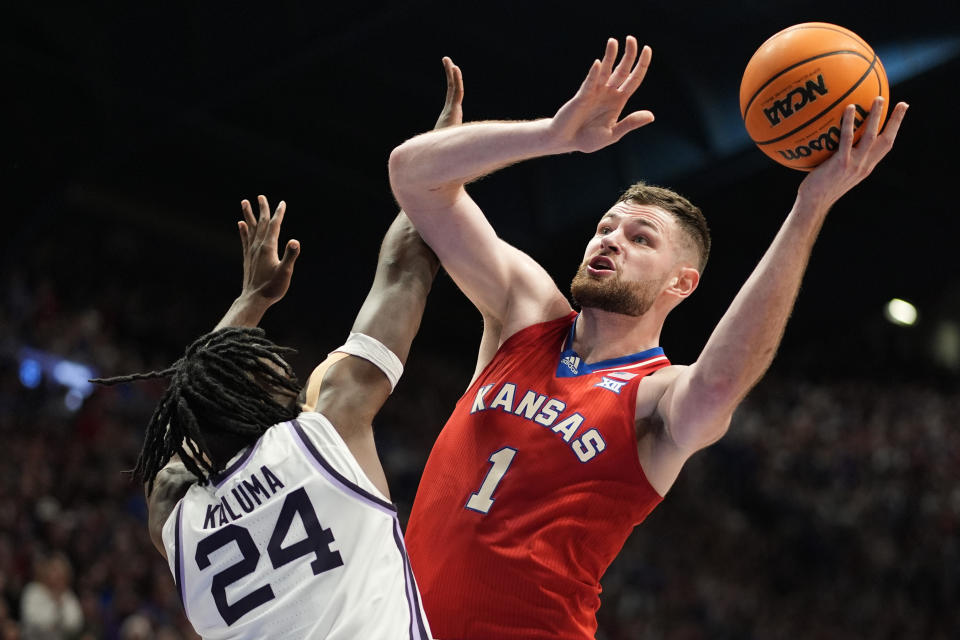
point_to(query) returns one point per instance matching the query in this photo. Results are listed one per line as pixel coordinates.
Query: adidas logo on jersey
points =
(572, 362)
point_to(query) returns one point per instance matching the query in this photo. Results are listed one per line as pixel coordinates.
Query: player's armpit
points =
(308, 396)
(489, 344)
(169, 487)
(348, 390)
(672, 425)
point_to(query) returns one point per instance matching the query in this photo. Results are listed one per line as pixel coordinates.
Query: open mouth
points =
(601, 264)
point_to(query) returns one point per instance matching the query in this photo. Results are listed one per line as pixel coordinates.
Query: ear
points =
(684, 282)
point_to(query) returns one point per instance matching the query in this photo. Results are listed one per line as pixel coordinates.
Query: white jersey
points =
(293, 540)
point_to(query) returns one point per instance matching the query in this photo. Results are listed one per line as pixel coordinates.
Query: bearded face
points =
(613, 293)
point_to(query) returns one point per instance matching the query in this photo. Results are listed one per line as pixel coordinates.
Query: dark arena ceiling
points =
(132, 134)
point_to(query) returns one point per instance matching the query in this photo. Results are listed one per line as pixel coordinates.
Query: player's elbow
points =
(410, 280)
(418, 184)
(401, 171)
(398, 161)
(405, 258)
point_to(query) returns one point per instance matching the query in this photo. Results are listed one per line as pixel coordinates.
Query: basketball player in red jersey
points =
(576, 425)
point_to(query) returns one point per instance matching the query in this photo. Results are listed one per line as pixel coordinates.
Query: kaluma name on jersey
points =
(249, 494)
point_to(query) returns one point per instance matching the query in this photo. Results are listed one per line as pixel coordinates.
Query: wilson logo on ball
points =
(795, 100)
(828, 141)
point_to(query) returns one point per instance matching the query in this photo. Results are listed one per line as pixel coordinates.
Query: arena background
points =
(832, 508)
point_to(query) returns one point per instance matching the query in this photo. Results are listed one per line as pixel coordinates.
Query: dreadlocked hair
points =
(221, 393)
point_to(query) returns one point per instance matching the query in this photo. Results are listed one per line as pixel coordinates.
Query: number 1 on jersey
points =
(481, 500)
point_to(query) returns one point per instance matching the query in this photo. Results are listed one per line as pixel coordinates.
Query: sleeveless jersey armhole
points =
(330, 445)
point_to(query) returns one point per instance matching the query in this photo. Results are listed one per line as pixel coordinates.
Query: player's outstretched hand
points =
(452, 113)
(591, 119)
(851, 163)
(265, 274)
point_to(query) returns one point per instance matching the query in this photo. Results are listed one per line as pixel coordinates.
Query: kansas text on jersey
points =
(530, 491)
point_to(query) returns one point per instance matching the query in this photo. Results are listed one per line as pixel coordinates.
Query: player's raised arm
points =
(266, 278)
(349, 391)
(428, 174)
(698, 404)
(406, 266)
(391, 312)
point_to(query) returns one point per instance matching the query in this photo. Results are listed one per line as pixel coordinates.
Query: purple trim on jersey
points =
(178, 558)
(218, 479)
(418, 630)
(565, 370)
(325, 468)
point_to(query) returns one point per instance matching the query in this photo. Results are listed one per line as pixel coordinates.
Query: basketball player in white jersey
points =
(269, 502)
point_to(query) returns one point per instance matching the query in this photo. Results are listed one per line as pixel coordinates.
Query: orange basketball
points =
(796, 86)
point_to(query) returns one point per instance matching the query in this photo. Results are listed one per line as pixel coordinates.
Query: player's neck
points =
(601, 335)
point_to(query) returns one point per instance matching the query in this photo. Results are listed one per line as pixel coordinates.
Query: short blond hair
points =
(690, 218)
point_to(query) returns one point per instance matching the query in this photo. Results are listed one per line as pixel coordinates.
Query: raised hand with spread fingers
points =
(591, 120)
(266, 276)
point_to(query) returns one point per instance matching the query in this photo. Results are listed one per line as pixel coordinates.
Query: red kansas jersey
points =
(530, 491)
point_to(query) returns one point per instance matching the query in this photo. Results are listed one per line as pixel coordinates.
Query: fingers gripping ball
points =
(796, 86)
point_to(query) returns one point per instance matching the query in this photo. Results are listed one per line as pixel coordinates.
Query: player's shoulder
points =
(318, 427)
(309, 432)
(171, 484)
(537, 329)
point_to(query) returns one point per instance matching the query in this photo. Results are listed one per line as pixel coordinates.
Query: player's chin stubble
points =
(613, 294)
